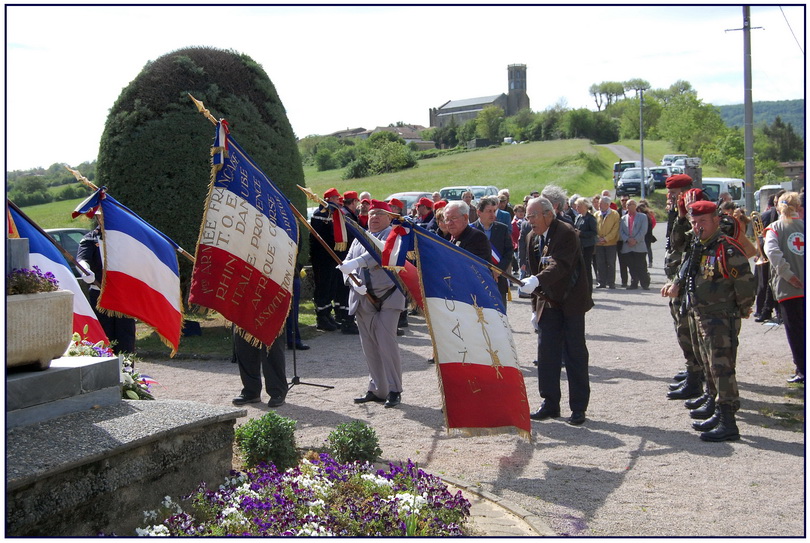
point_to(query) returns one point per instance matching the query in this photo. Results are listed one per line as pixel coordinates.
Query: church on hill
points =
(461, 111)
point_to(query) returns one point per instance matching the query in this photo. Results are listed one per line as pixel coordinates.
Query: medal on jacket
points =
(708, 267)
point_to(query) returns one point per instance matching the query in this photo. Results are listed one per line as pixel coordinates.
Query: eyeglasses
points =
(531, 215)
(448, 218)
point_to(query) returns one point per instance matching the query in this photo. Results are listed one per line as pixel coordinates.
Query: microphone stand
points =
(295, 379)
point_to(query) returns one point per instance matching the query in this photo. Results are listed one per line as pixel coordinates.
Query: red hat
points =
(702, 207)
(398, 203)
(378, 204)
(350, 195)
(331, 192)
(365, 201)
(678, 181)
(438, 205)
(427, 202)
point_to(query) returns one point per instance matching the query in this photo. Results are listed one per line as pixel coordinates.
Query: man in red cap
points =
(377, 303)
(424, 209)
(719, 289)
(397, 206)
(326, 280)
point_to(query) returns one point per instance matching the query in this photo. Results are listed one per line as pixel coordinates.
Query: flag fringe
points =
(479, 432)
(119, 315)
(395, 269)
(341, 246)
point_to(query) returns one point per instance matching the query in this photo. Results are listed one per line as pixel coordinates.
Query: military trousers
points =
(684, 336)
(717, 339)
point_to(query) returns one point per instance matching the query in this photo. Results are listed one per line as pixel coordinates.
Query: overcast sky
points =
(341, 67)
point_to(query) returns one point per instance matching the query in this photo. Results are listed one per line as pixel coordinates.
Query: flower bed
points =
(318, 497)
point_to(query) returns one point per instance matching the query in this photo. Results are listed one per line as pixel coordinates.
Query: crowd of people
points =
(562, 249)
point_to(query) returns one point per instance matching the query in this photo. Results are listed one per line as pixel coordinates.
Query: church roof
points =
(468, 102)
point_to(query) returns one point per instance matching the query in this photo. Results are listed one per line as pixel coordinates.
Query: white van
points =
(715, 186)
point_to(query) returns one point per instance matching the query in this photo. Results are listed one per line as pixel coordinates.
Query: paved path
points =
(635, 468)
(625, 153)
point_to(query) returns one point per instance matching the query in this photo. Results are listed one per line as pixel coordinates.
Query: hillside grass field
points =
(577, 165)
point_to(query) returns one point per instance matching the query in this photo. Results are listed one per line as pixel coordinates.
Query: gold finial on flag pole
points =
(201, 108)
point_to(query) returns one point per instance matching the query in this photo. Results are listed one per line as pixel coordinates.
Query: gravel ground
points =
(635, 468)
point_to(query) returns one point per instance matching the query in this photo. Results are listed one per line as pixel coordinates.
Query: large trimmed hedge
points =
(155, 156)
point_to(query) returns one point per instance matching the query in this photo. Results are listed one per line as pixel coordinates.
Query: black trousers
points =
(623, 263)
(587, 255)
(327, 280)
(118, 329)
(255, 361)
(765, 303)
(794, 319)
(565, 337)
(637, 264)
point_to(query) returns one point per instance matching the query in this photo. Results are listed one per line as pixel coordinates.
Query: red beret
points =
(702, 207)
(438, 205)
(678, 181)
(377, 204)
(427, 202)
(331, 192)
(350, 195)
(396, 202)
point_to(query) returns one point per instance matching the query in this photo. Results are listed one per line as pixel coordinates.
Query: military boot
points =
(690, 388)
(705, 411)
(680, 376)
(726, 430)
(694, 403)
(708, 424)
(322, 321)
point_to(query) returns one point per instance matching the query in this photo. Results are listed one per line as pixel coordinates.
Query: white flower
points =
(313, 529)
(376, 479)
(158, 530)
(410, 503)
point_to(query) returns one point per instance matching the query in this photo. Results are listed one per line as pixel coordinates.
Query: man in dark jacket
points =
(456, 216)
(499, 239)
(560, 299)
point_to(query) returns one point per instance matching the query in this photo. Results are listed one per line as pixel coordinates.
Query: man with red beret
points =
(424, 210)
(326, 280)
(397, 206)
(377, 303)
(719, 289)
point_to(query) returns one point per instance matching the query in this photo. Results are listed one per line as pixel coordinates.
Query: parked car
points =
(660, 175)
(479, 191)
(713, 187)
(668, 160)
(630, 182)
(409, 198)
(620, 166)
(454, 193)
(69, 239)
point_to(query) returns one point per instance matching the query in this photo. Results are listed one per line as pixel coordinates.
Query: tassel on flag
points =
(141, 275)
(46, 256)
(339, 228)
(247, 247)
(480, 380)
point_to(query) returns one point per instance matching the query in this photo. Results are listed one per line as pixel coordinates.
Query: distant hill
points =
(791, 111)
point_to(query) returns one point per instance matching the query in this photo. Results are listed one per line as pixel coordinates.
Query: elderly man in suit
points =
(499, 239)
(632, 231)
(560, 298)
(456, 218)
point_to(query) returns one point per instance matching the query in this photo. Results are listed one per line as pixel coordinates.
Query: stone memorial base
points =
(97, 471)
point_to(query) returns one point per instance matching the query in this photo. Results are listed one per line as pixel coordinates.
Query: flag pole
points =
(62, 250)
(86, 182)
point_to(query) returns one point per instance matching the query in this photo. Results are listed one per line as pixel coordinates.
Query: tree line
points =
(42, 186)
(675, 114)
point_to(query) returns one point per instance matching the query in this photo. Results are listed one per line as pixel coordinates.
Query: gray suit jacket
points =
(639, 233)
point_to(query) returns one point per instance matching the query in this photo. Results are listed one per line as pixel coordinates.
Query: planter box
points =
(39, 327)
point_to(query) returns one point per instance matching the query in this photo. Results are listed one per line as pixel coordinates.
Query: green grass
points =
(575, 165)
(57, 214)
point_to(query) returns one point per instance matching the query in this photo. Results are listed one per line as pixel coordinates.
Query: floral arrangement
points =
(134, 386)
(25, 281)
(319, 497)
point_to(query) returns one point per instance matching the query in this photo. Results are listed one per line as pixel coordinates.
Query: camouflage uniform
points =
(720, 289)
(676, 243)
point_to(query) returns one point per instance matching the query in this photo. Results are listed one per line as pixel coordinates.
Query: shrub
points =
(354, 442)
(268, 439)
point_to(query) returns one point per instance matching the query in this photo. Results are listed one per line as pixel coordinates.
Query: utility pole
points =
(748, 109)
(641, 141)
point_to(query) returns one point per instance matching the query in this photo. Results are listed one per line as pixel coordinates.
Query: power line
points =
(791, 29)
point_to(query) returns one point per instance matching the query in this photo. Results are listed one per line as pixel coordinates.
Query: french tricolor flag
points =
(481, 382)
(141, 275)
(44, 254)
(247, 246)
